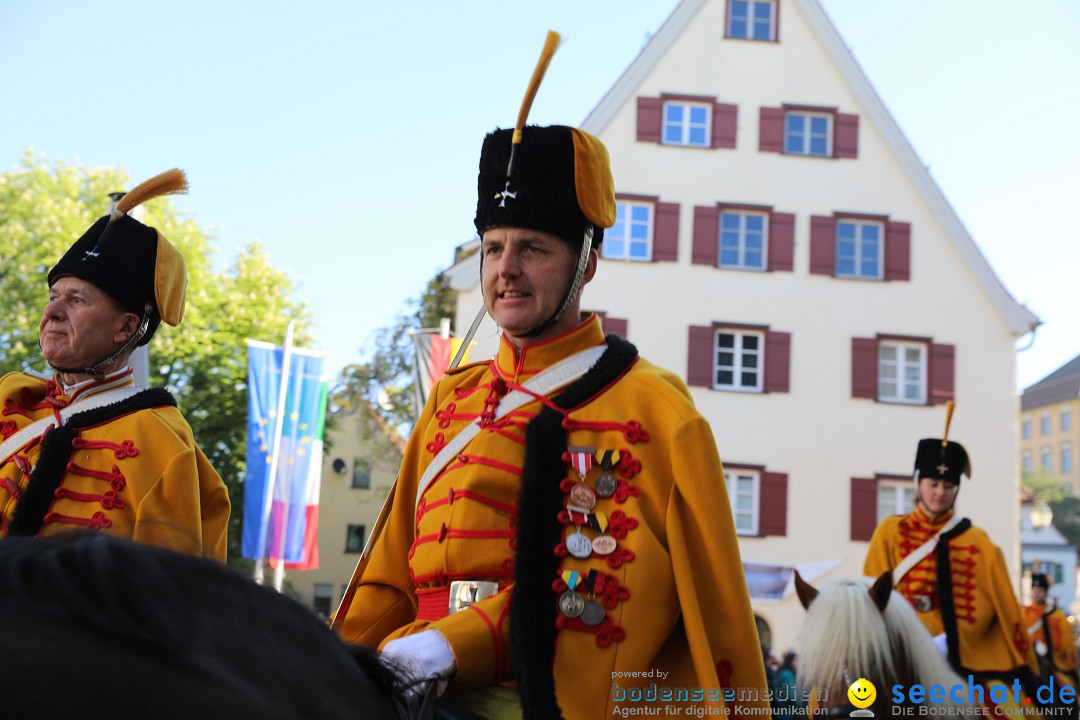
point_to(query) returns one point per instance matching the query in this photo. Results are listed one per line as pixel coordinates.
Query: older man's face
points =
(81, 325)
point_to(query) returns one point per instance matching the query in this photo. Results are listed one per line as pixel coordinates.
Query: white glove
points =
(942, 644)
(423, 656)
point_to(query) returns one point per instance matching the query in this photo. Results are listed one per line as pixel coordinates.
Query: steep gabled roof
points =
(1018, 318)
(1061, 385)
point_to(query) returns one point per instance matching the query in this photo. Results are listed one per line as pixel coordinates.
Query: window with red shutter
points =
(846, 138)
(649, 119)
(863, 508)
(666, 236)
(897, 250)
(773, 512)
(699, 362)
(781, 242)
(864, 368)
(822, 245)
(777, 361)
(725, 119)
(771, 129)
(706, 229)
(942, 373)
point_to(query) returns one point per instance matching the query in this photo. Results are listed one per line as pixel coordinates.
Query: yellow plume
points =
(170, 182)
(949, 407)
(550, 45)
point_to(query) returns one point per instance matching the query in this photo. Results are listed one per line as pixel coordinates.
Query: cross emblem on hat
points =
(943, 468)
(506, 193)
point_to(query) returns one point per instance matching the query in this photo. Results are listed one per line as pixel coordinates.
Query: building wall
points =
(1056, 440)
(341, 504)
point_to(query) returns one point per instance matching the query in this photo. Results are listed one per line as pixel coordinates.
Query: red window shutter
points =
(942, 373)
(666, 232)
(781, 242)
(897, 251)
(846, 136)
(864, 368)
(649, 115)
(863, 508)
(777, 361)
(614, 326)
(771, 130)
(772, 513)
(725, 119)
(706, 235)
(699, 362)
(822, 245)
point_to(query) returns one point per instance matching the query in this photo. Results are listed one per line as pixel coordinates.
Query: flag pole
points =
(268, 499)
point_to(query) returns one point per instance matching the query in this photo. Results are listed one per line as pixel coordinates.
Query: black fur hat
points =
(937, 459)
(130, 262)
(561, 182)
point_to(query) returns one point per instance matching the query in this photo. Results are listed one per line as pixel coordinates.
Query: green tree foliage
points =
(44, 208)
(1066, 508)
(383, 380)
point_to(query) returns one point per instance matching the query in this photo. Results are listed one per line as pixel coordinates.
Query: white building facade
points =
(781, 246)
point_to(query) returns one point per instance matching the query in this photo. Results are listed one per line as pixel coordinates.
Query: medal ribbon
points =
(599, 521)
(609, 460)
(571, 578)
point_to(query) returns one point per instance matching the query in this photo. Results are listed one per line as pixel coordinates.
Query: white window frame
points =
(609, 235)
(1066, 458)
(1025, 428)
(901, 364)
(860, 226)
(1027, 462)
(806, 136)
(1046, 459)
(685, 126)
(731, 479)
(742, 235)
(1044, 424)
(739, 356)
(750, 20)
(1066, 419)
(899, 503)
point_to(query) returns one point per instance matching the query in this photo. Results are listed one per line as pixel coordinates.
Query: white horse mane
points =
(846, 637)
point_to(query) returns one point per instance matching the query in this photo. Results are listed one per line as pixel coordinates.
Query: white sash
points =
(561, 373)
(10, 446)
(922, 551)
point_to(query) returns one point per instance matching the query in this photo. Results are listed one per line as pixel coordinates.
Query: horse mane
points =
(94, 626)
(846, 637)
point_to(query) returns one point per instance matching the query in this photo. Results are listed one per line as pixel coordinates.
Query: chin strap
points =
(98, 368)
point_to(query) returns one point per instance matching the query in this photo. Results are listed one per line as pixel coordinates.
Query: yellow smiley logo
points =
(862, 693)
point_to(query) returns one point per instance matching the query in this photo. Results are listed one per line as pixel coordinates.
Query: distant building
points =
(1049, 433)
(780, 244)
(359, 468)
(1043, 549)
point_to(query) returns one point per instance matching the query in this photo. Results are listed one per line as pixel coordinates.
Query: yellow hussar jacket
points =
(130, 468)
(1052, 636)
(961, 589)
(673, 623)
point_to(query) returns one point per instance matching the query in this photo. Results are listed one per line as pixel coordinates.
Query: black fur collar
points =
(533, 609)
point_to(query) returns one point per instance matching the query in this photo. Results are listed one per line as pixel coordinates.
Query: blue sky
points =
(343, 136)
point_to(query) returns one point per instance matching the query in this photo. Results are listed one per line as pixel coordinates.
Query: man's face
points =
(525, 276)
(937, 495)
(81, 324)
(1038, 595)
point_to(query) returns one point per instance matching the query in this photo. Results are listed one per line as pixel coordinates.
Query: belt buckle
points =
(922, 603)
(464, 593)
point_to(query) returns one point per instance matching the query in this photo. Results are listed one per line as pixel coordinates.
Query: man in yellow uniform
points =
(1051, 635)
(86, 449)
(559, 532)
(956, 578)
